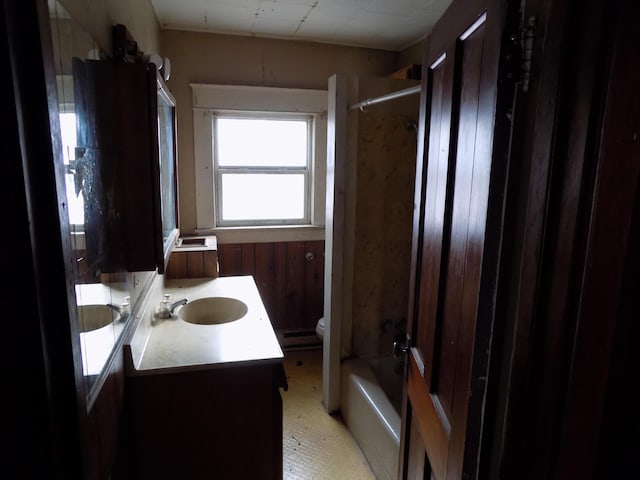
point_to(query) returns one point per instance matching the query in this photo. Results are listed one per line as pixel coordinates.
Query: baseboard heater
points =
(298, 338)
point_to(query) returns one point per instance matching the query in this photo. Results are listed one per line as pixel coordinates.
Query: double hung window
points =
(260, 162)
(262, 168)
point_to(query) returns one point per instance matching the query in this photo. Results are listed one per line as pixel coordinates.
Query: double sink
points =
(223, 323)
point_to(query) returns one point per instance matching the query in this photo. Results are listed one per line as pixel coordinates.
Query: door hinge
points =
(528, 37)
(518, 51)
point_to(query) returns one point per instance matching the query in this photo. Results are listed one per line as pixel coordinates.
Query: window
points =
(260, 162)
(74, 195)
(261, 167)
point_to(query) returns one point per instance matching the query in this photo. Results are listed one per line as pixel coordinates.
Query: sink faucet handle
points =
(165, 305)
(125, 307)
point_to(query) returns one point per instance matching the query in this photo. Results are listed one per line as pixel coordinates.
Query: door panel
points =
(449, 323)
(434, 433)
(418, 470)
(460, 94)
(435, 193)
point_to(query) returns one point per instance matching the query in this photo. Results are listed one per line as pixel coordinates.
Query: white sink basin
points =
(213, 310)
(93, 317)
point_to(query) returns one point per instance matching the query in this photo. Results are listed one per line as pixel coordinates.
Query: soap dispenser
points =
(165, 306)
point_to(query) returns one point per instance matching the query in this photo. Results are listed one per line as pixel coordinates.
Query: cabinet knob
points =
(309, 256)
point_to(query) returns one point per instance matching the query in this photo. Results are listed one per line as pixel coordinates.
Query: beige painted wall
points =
(413, 54)
(212, 58)
(98, 16)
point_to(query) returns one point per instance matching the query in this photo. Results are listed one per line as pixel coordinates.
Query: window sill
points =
(265, 234)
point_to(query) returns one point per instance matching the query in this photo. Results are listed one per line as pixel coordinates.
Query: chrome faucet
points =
(167, 308)
(113, 307)
(175, 305)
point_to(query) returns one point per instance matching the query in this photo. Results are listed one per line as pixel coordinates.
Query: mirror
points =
(89, 174)
(168, 174)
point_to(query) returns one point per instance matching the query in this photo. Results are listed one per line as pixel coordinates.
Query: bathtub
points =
(371, 395)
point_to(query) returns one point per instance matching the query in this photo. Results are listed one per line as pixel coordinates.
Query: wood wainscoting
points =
(195, 264)
(290, 278)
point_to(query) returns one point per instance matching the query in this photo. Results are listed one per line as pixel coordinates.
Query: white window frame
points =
(305, 170)
(209, 99)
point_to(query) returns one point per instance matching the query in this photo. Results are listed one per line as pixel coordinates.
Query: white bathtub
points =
(371, 393)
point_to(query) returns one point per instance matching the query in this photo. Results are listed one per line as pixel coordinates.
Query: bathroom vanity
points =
(205, 398)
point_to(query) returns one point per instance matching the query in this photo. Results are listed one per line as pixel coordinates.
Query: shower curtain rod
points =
(389, 96)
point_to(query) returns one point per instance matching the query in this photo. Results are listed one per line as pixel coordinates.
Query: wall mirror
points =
(168, 175)
(102, 296)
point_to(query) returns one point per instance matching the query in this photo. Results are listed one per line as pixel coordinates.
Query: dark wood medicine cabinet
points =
(133, 115)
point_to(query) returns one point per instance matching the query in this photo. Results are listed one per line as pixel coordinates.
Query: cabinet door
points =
(122, 146)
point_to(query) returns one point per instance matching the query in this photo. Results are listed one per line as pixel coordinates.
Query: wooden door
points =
(462, 157)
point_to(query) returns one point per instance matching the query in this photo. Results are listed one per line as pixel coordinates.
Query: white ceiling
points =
(383, 24)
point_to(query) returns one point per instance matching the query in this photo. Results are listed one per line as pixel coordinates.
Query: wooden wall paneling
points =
(313, 284)
(230, 257)
(295, 284)
(280, 285)
(264, 276)
(210, 263)
(177, 267)
(248, 258)
(292, 287)
(195, 264)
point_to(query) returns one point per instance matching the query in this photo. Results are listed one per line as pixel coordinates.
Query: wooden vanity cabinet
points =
(222, 423)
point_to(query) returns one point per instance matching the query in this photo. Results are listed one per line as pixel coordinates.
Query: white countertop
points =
(175, 345)
(98, 344)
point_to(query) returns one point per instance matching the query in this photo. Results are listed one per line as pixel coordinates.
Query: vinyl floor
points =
(316, 445)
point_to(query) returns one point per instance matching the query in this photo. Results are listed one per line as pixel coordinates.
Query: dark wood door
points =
(462, 156)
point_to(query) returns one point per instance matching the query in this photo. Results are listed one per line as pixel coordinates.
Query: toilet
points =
(320, 328)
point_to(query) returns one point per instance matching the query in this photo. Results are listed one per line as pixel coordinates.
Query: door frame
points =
(335, 299)
(546, 425)
(45, 410)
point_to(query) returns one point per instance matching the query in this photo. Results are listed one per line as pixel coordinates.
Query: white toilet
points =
(320, 328)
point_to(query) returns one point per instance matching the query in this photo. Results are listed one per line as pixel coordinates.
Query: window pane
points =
(261, 143)
(262, 197)
(69, 142)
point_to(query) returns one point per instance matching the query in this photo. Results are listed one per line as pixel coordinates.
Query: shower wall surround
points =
(383, 194)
